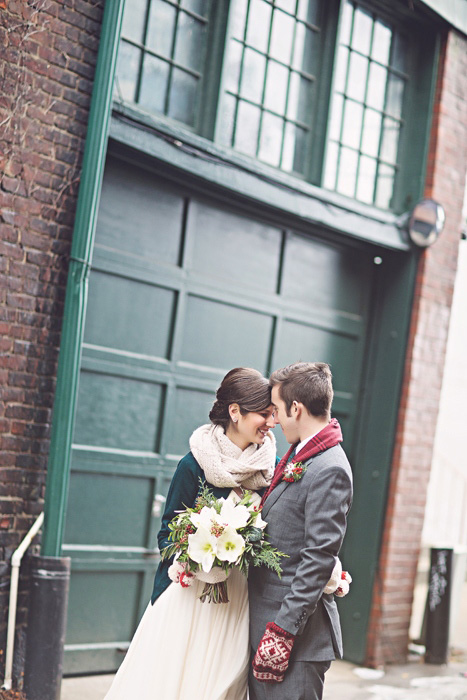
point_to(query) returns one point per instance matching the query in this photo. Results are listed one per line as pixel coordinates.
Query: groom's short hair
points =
(309, 383)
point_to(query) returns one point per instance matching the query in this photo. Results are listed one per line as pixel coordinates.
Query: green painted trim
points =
(332, 15)
(138, 133)
(76, 295)
(372, 459)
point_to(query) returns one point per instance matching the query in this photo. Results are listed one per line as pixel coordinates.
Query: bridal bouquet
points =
(215, 536)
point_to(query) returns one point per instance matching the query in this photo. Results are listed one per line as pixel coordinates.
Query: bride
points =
(183, 648)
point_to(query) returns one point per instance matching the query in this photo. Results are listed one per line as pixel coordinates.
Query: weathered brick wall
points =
(48, 52)
(393, 594)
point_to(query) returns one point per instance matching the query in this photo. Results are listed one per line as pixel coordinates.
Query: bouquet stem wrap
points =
(215, 593)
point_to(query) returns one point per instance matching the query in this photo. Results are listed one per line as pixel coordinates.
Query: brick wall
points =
(393, 593)
(48, 52)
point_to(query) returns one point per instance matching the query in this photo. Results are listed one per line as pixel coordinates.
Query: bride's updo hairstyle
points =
(244, 386)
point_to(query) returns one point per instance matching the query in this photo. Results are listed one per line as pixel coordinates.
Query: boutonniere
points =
(293, 472)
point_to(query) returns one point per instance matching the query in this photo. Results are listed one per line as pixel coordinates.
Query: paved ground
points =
(413, 681)
(344, 681)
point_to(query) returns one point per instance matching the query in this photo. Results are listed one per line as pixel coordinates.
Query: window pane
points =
(347, 172)
(357, 77)
(331, 165)
(271, 139)
(385, 186)
(371, 132)
(376, 86)
(341, 69)
(278, 68)
(233, 62)
(226, 124)
(238, 18)
(259, 21)
(352, 124)
(299, 98)
(126, 75)
(390, 140)
(190, 41)
(161, 27)
(282, 37)
(176, 32)
(361, 35)
(366, 179)
(182, 100)
(336, 117)
(133, 20)
(370, 87)
(395, 96)
(381, 43)
(154, 82)
(346, 24)
(276, 87)
(246, 131)
(254, 66)
(287, 5)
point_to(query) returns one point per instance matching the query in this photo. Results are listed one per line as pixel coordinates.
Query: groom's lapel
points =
(273, 496)
(279, 490)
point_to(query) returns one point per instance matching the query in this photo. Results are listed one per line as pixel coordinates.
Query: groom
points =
(294, 626)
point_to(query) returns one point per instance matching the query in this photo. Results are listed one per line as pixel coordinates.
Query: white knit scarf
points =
(226, 465)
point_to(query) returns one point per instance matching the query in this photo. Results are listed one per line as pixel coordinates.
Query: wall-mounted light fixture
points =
(425, 223)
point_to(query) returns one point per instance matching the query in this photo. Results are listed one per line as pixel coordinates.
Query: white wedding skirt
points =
(187, 650)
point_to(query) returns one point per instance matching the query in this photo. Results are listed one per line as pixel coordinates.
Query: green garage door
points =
(183, 288)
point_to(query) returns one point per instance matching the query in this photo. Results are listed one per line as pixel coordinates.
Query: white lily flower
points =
(259, 522)
(234, 515)
(205, 517)
(202, 548)
(230, 545)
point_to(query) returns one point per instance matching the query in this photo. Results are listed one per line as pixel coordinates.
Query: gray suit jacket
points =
(306, 520)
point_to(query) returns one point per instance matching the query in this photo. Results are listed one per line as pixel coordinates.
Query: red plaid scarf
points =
(328, 437)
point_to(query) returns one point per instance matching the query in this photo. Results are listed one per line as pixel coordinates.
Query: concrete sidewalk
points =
(413, 681)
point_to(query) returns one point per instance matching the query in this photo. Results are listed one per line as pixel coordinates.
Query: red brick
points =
(390, 616)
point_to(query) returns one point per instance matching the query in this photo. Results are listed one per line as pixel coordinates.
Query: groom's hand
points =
(273, 654)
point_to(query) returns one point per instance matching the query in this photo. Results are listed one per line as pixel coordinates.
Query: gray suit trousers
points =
(304, 680)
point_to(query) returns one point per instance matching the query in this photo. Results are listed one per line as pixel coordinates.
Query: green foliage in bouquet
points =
(220, 534)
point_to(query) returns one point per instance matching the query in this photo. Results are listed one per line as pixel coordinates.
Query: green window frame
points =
(325, 90)
(163, 57)
(270, 74)
(374, 71)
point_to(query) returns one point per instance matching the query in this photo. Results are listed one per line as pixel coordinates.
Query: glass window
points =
(271, 67)
(162, 55)
(366, 114)
(249, 73)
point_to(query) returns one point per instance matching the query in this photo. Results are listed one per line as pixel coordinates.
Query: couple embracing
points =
(276, 638)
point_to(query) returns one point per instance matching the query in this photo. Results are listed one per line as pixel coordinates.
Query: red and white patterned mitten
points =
(272, 656)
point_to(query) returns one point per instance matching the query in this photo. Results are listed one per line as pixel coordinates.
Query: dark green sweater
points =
(182, 494)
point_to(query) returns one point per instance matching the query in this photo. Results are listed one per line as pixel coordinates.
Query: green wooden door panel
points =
(108, 618)
(307, 341)
(224, 336)
(235, 250)
(139, 215)
(189, 405)
(138, 316)
(320, 275)
(117, 412)
(115, 511)
(182, 289)
(109, 592)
